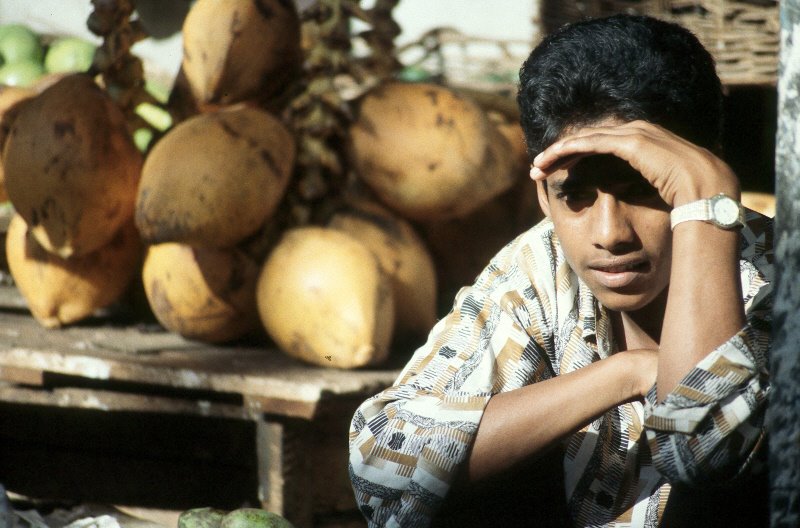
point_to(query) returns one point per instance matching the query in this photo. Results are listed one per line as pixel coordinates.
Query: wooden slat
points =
(271, 381)
(74, 398)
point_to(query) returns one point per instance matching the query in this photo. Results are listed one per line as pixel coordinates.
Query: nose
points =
(612, 228)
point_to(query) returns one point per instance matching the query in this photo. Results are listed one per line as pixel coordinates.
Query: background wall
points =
(498, 19)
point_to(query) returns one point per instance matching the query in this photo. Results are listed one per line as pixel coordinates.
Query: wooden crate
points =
(140, 417)
(742, 35)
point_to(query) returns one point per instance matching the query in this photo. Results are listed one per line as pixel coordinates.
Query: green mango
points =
(254, 518)
(69, 54)
(19, 43)
(201, 518)
(22, 73)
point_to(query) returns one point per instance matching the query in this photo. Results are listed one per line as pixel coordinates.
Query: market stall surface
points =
(125, 414)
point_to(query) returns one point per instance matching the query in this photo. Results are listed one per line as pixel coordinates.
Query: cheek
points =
(656, 233)
(571, 232)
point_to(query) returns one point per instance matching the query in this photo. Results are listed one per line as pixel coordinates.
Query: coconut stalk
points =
(321, 114)
(121, 72)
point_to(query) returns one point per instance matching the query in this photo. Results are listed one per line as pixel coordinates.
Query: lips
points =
(619, 273)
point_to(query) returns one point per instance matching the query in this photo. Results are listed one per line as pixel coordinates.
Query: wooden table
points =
(175, 424)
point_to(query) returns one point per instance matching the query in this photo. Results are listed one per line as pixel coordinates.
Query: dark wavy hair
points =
(624, 66)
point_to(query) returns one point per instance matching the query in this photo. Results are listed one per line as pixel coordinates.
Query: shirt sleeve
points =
(408, 442)
(711, 426)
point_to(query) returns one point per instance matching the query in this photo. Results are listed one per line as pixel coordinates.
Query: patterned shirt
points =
(527, 318)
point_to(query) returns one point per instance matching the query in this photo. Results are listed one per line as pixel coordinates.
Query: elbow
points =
(706, 459)
(680, 463)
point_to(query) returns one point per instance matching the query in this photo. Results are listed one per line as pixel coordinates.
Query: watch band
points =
(720, 210)
(697, 210)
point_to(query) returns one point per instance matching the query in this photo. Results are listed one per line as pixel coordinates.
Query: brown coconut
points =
(428, 152)
(215, 178)
(204, 294)
(71, 167)
(324, 299)
(10, 99)
(64, 291)
(402, 255)
(239, 50)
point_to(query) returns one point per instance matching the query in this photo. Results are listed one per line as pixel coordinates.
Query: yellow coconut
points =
(64, 291)
(215, 178)
(462, 247)
(511, 130)
(10, 99)
(71, 168)
(238, 50)
(428, 152)
(762, 202)
(324, 299)
(201, 293)
(402, 255)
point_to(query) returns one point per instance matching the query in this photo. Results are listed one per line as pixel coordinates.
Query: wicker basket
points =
(466, 61)
(743, 36)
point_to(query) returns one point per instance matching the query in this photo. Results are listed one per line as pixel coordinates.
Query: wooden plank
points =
(284, 470)
(116, 401)
(126, 353)
(22, 375)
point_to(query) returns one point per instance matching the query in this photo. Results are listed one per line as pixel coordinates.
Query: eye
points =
(576, 198)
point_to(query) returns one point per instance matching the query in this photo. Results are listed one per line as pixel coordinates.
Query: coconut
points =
(402, 255)
(462, 247)
(239, 49)
(71, 168)
(64, 291)
(762, 202)
(215, 178)
(427, 151)
(204, 294)
(10, 99)
(324, 299)
(512, 131)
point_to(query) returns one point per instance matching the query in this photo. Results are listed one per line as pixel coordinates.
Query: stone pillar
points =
(784, 413)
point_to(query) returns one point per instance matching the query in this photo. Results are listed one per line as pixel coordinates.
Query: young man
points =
(628, 333)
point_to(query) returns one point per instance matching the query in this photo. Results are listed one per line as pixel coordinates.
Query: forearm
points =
(527, 421)
(704, 306)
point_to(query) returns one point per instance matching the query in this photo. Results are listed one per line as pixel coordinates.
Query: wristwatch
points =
(720, 210)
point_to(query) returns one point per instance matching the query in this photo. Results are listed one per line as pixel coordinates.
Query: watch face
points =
(726, 211)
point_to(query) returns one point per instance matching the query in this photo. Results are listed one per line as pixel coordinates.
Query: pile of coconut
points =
(441, 181)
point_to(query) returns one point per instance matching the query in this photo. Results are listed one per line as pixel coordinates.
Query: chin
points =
(624, 302)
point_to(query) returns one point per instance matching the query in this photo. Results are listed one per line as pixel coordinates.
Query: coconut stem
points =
(322, 113)
(121, 72)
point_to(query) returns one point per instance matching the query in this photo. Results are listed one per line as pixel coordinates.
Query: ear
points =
(541, 194)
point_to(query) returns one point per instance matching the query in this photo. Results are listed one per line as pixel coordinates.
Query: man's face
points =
(614, 229)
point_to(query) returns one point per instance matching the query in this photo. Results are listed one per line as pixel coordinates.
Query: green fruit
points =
(201, 518)
(69, 54)
(157, 117)
(157, 90)
(22, 73)
(19, 43)
(254, 518)
(142, 137)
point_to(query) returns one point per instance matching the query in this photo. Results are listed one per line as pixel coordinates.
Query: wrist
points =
(728, 186)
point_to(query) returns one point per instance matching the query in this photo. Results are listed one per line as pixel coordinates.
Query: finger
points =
(570, 149)
(564, 162)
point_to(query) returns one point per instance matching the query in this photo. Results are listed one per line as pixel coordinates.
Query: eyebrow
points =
(566, 184)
